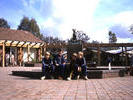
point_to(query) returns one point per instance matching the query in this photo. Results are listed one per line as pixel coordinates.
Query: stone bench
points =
(92, 74)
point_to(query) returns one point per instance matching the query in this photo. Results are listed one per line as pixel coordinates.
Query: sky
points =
(58, 17)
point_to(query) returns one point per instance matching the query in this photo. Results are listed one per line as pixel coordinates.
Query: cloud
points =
(124, 40)
(73, 14)
(121, 31)
(58, 17)
(120, 25)
(124, 18)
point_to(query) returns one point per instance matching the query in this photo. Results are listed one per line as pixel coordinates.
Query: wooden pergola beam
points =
(85, 45)
(17, 43)
(33, 45)
(23, 44)
(108, 45)
(11, 43)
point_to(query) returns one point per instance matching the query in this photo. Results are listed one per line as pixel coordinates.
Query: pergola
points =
(20, 39)
(98, 46)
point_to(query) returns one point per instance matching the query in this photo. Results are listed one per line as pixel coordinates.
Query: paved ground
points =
(22, 88)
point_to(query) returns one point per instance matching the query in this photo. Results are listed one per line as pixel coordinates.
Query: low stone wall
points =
(110, 73)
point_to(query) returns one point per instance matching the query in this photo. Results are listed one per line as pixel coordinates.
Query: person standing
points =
(47, 67)
(12, 59)
(109, 62)
(7, 59)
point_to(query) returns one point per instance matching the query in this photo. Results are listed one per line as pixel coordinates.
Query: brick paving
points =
(23, 88)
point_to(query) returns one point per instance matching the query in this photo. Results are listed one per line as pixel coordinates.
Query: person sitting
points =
(81, 67)
(60, 65)
(47, 66)
(72, 66)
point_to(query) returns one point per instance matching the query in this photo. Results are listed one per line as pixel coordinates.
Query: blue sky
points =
(58, 17)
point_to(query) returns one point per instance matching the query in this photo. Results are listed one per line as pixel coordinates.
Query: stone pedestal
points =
(74, 47)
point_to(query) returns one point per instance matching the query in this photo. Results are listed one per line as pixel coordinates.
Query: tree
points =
(95, 42)
(24, 24)
(112, 37)
(131, 29)
(80, 35)
(31, 26)
(50, 39)
(4, 23)
(34, 28)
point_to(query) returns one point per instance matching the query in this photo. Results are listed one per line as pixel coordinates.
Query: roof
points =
(129, 50)
(17, 35)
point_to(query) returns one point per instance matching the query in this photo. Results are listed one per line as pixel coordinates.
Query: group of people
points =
(58, 67)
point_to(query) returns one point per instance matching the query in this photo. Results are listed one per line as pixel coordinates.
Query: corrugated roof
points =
(120, 50)
(17, 35)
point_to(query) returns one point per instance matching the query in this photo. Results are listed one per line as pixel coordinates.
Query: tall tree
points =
(112, 37)
(34, 28)
(131, 29)
(24, 24)
(31, 26)
(4, 23)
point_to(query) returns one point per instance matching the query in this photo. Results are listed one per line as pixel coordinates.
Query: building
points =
(22, 44)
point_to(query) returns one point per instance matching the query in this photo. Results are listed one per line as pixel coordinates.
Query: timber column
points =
(28, 52)
(20, 56)
(126, 56)
(40, 53)
(98, 56)
(3, 53)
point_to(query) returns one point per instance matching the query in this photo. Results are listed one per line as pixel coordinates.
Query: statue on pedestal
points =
(74, 35)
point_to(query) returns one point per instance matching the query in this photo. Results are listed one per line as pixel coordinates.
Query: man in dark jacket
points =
(47, 66)
(60, 65)
(81, 67)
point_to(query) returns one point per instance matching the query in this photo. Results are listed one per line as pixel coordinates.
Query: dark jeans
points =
(47, 70)
(83, 71)
(60, 71)
(62, 68)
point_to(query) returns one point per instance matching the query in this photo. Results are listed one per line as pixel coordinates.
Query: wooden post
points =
(3, 57)
(44, 50)
(39, 50)
(122, 57)
(98, 56)
(40, 54)
(126, 56)
(20, 56)
(28, 52)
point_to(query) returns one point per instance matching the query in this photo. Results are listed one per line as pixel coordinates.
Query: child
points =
(72, 66)
(60, 65)
(81, 66)
(47, 66)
